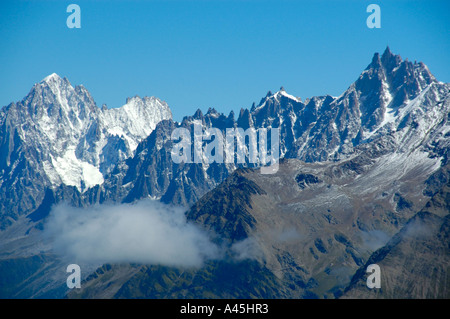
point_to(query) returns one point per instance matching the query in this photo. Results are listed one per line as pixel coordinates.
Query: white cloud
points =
(374, 239)
(146, 232)
(247, 248)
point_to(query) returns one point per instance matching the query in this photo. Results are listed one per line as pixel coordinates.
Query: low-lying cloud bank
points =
(146, 232)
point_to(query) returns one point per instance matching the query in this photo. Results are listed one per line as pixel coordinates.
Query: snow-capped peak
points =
(276, 96)
(137, 118)
(51, 77)
(282, 92)
(289, 96)
(82, 141)
(60, 87)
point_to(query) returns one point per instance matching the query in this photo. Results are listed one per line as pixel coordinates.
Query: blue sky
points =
(212, 53)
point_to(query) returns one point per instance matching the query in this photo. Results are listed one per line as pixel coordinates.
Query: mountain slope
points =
(316, 223)
(309, 227)
(57, 135)
(217, 279)
(415, 263)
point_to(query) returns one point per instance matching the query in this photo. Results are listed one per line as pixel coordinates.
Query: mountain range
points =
(363, 176)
